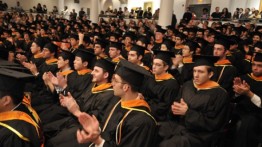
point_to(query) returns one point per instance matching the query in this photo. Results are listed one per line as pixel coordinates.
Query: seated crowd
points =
(77, 83)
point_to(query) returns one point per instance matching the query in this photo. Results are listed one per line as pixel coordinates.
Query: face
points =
(257, 68)
(73, 42)
(61, 62)
(132, 57)
(199, 34)
(127, 41)
(35, 48)
(201, 75)
(211, 38)
(178, 41)
(113, 52)
(97, 49)
(97, 74)
(117, 84)
(46, 53)
(256, 39)
(219, 50)
(159, 36)
(158, 67)
(112, 38)
(78, 64)
(186, 51)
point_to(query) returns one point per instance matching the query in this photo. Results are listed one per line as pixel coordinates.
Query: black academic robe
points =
(101, 99)
(250, 115)
(140, 133)
(26, 127)
(161, 96)
(78, 82)
(224, 75)
(42, 97)
(206, 115)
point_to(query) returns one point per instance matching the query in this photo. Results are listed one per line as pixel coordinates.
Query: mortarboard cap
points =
(129, 71)
(51, 47)
(258, 57)
(74, 36)
(258, 45)
(160, 29)
(106, 65)
(164, 55)
(139, 49)
(131, 35)
(67, 55)
(13, 83)
(117, 45)
(223, 40)
(85, 55)
(200, 60)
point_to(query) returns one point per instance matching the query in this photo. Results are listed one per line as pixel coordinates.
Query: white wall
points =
(140, 3)
(77, 6)
(179, 9)
(253, 4)
(222, 4)
(28, 4)
(194, 2)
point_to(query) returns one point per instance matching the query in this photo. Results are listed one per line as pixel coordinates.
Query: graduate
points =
(95, 102)
(121, 126)
(159, 37)
(136, 54)
(162, 94)
(42, 98)
(199, 111)
(19, 123)
(225, 71)
(115, 49)
(248, 108)
(81, 78)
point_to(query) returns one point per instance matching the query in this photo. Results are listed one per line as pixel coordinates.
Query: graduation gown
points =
(42, 97)
(206, 115)
(18, 128)
(224, 75)
(162, 95)
(187, 69)
(122, 128)
(100, 101)
(78, 82)
(250, 115)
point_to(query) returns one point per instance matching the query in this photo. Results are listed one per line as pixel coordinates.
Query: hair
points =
(17, 97)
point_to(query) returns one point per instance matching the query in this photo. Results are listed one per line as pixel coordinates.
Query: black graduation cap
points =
(143, 39)
(223, 40)
(169, 44)
(117, 45)
(13, 82)
(258, 57)
(74, 36)
(131, 35)
(139, 49)
(67, 55)
(164, 55)
(257, 34)
(51, 47)
(41, 41)
(181, 36)
(192, 45)
(200, 60)
(132, 73)
(85, 55)
(160, 29)
(113, 34)
(101, 42)
(106, 64)
(258, 45)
